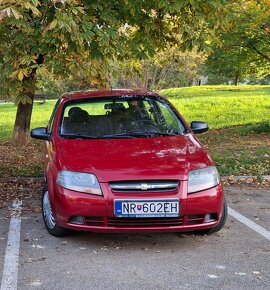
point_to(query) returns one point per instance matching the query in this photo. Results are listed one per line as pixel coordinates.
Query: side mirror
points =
(40, 133)
(199, 127)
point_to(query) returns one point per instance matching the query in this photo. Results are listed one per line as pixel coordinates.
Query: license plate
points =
(146, 208)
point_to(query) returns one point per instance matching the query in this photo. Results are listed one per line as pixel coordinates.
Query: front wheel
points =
(48, 216)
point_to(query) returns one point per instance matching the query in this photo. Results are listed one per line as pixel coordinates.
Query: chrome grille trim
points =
(144, 185)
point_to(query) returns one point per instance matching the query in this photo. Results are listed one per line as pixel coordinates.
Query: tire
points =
(48, 217)
(221, 223)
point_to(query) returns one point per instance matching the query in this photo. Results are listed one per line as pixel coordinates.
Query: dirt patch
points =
(24, 161)
(252, 182)
(239, 151)
(21, 189)
(235, 138)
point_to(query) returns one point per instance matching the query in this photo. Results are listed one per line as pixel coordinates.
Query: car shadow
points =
(139, 241)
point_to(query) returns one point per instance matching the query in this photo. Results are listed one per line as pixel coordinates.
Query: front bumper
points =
(97, 212)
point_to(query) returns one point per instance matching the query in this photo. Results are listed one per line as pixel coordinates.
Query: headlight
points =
(202, 179)
(79, 181)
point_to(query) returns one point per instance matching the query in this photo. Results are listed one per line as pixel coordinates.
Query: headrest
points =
(79, 116)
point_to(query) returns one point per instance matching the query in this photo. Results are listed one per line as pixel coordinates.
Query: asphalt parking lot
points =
(237, 257)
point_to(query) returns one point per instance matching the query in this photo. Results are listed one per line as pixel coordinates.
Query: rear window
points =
(119, 117)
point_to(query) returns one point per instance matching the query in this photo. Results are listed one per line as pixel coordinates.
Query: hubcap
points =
(47, 211)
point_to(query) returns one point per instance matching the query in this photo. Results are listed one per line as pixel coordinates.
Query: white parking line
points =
(260, 230)
(10, 272)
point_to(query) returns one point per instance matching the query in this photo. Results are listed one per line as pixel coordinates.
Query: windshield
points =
(119, 117)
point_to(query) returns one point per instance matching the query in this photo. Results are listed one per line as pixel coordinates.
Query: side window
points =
(50, 125)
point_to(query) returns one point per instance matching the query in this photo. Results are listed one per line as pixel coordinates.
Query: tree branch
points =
(259, 52)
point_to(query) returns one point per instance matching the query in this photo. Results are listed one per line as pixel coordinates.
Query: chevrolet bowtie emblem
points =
(145, 186)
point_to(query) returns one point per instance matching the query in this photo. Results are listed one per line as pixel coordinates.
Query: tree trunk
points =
(236, 77)
(24, 111)
(22, 123)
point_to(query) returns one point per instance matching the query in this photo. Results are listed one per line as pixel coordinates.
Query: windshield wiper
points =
(139, 134)
(78, 136)
(164, 133)
(119, 135)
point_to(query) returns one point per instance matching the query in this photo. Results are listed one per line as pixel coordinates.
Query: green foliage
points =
(169, 67)
(41, 36)
(244, 49)
(94, 74)
(24, 99)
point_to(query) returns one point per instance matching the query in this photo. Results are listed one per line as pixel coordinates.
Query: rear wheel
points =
(48, 217)
(221, 223)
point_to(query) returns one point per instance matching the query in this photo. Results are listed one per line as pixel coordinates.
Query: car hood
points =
(134, 159)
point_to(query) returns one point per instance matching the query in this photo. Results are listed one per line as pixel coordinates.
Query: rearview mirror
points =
(199, 127)
(40, 133)
(114, 106)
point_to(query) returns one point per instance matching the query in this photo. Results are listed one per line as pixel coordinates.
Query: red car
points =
(126, 161)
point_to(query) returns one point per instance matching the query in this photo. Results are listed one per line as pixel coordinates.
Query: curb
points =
(14, 179)
(245, 177)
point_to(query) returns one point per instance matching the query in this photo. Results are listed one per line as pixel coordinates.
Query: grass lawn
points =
(222, 106)
(239, 119)
(40, 117)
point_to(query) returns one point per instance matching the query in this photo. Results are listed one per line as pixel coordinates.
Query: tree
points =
(84, 75)
(170, 67)
(53, 35)
(244, 49)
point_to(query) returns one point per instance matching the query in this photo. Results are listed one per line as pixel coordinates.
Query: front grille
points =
(144, 185)
(145, 222)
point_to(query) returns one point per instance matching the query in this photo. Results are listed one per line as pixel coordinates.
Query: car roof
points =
(106, 93)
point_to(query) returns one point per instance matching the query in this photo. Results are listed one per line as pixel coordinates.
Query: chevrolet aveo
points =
(126, 161)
